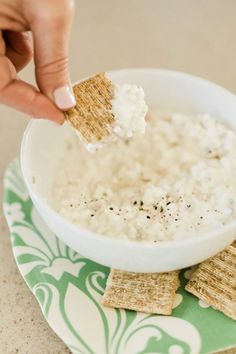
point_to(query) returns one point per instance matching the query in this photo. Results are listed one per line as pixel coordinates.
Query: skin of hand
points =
(37, 29)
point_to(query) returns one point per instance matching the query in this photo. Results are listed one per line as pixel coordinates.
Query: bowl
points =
(42, 147)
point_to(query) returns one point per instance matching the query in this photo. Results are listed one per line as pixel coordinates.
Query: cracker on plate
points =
(144, 292)
(214, 281)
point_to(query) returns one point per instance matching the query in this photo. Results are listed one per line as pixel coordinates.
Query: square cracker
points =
(92, 117)
(144, 292)
(214, 281)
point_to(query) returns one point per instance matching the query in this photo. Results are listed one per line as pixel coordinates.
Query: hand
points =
(50, 23)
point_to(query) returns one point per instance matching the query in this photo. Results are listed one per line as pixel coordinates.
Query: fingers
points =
(24, 97)
(19, 48)
(51, 30)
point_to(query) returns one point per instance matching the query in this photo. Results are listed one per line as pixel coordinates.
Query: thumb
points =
(51, 25)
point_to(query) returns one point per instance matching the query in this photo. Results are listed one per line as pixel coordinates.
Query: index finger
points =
(23, 96)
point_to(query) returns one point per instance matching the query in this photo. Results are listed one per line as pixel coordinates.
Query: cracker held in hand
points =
(144, 292)
(214, 281)
(92, 116)
(105, 111)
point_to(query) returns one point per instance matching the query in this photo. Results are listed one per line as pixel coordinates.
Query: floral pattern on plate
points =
(69, 287)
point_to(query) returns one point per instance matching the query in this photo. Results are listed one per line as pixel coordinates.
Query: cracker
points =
(92, 117)
(214, 281)
(144, 292)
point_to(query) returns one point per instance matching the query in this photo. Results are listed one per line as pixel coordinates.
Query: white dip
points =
(129, 109)
(175, 181)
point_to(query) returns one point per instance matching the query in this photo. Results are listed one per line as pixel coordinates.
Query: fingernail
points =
(64, 98)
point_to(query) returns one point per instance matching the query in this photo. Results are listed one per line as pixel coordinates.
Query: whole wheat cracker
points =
(214, 281)
(92, 116)
(144, 292)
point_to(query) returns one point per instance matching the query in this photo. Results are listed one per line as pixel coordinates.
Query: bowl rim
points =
(193, 239)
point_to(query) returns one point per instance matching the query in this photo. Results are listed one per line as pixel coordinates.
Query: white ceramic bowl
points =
(42, 146)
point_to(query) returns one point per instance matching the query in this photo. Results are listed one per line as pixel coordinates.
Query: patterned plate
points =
(68, 288)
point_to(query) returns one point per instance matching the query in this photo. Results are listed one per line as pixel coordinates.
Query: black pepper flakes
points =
(135, 202)
(111, 208)
(92, 215)
(161, 210)
(168, 203)
(148, 217)
(141, 203)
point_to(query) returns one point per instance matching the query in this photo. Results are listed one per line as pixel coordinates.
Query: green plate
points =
(69, 287)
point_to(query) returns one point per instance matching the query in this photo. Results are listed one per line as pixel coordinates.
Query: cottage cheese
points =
(176, 181)
(129, 109)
